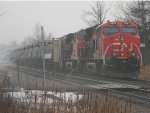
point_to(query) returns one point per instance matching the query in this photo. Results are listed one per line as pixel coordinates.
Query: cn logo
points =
(131, 47)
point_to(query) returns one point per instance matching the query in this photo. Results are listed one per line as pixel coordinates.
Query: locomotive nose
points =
(121, 48)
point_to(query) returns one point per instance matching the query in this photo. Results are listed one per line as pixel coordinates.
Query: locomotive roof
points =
(120, 23)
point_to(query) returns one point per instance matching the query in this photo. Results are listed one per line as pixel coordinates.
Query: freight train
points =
(111, 46)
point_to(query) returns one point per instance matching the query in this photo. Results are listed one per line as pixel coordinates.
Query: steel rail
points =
(131, 82)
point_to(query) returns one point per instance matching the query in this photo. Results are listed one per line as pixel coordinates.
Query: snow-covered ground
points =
(28, 96)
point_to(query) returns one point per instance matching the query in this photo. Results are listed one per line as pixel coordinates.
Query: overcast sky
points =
(58, 18)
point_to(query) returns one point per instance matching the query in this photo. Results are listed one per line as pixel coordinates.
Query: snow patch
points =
(112, 85)
(37, 96)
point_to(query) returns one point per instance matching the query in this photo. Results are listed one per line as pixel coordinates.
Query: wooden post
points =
(43, 57)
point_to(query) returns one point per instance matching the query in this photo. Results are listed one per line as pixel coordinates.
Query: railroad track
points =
(141, 83)
(137, 95)
(131, 98)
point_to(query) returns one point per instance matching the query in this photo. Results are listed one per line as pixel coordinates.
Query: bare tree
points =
(28, 40)
(36, 37)
(121, 13)
(37, 31)
(96, 14)
(135, 10)
(49, 36)
(138, 11)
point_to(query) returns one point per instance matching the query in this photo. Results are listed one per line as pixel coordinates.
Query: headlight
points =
(133, 54)
(114, 54)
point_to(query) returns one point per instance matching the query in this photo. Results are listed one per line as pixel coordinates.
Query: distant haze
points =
(58, 18)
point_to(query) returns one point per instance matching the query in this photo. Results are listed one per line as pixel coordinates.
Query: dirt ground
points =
(144, 73)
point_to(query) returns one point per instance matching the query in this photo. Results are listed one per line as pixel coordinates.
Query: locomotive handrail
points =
(141, 59)
(46, 42)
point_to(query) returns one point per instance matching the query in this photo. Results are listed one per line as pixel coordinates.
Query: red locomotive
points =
(112, 45)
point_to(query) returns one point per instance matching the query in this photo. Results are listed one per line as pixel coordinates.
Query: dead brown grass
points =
(144, 73)
(4, 79)
(90, 103)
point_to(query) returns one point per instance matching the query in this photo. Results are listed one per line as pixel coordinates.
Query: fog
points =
(58, 18)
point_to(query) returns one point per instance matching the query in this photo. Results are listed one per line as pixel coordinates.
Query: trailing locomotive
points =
(109, 46)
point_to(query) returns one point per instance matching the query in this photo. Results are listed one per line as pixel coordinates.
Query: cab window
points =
(107, 31)
(129, 30)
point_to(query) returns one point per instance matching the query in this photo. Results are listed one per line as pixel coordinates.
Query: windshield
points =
(129, 30)
(110, 31)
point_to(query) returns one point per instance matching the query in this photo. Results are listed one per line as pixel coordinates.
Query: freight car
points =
(31, 55)
(113, 46)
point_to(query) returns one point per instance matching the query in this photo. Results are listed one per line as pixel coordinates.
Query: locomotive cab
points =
(121, 46)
